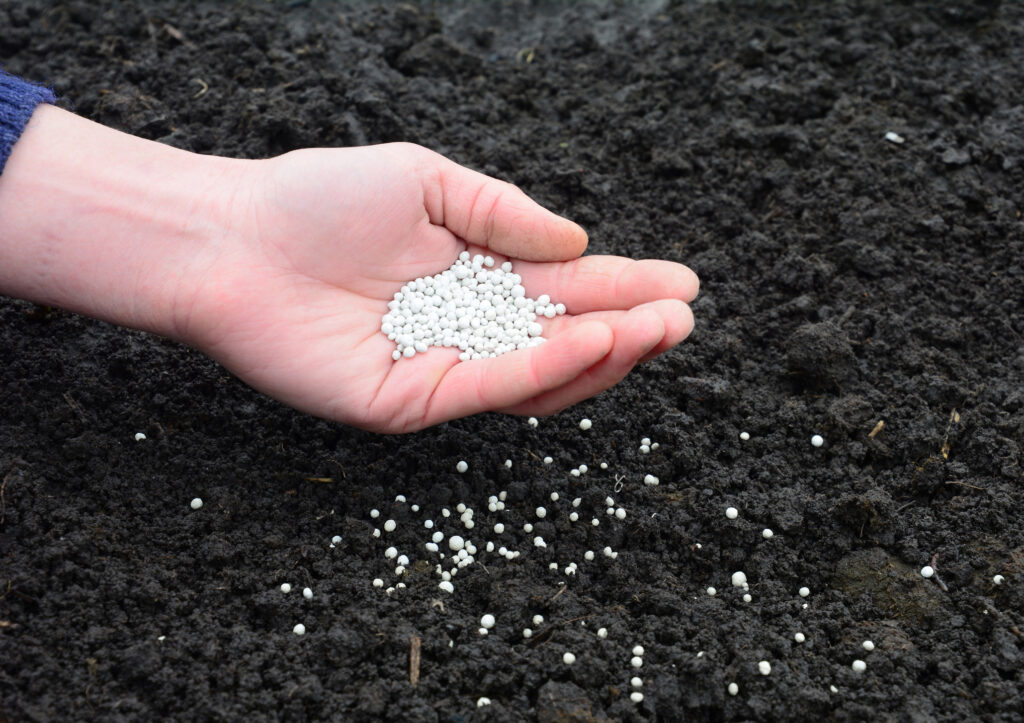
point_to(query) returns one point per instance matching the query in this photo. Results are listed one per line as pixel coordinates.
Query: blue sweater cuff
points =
(18, 100)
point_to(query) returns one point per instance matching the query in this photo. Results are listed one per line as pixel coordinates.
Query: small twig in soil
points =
(878, 428)
(414, 660)
(533, 455)
(964, 484)
(936, 573)
(202, 90)
(564, 588)
(954, 418)
(74, 405)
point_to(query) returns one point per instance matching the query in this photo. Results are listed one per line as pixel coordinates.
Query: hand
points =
(322, 240)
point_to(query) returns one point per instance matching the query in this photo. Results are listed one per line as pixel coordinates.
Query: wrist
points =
(112, 226)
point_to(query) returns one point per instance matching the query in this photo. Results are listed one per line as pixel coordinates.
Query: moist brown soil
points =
(847, 281)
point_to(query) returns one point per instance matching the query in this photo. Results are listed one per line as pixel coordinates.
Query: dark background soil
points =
(846, 280)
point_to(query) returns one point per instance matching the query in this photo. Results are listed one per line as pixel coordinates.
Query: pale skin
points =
(281, 269)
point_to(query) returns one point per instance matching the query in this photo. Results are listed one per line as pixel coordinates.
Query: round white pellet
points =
(927, 571)
(307, 593)
(377, 582)
(712, 591)
(461, 466)
(482, 701)
(636, 696)
(375, 514)
(744, 436)
(541, 513)
(456, 543)
(620, 513)
(196, 503)
(527, 633)
(528, 527)
(604, 465)
(638, 650)
(299, 629)
(437, 536)
(764, 667)
(482, 631)
(487, 621)
(548, 460)
(390, 525)
(286, 588)
(644, 449)
(739, 579)
(446, 586)
(998, 579)
(586, 424)
(589, 554)
(554, 497)
(859, 666)
(767, 534)
(498, 528)
(817, 440)
(538, 619)
(651, 480)
(532, 421)
(336, 540)
(376, 532)
(139, 436)
(804, 591)
(747, 598)
(538, 541)
(733, 689)
(637, 661)
(799, 637)
(636, 682)
(568, 658)
(508, 464)
(868, 645)
(732, 513)
(602, 633)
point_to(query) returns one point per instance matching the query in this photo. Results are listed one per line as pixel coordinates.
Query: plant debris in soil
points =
(847, 180)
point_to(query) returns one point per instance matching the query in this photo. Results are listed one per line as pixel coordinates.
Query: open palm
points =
(293, 303)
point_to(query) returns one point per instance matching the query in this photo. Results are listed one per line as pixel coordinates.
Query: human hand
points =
(322, 240)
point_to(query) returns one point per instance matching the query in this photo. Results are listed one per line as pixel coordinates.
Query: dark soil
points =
(847, 280)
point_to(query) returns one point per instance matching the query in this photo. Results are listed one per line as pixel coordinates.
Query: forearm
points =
(109, 225)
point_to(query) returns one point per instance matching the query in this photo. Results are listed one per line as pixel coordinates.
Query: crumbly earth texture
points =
(847, 280)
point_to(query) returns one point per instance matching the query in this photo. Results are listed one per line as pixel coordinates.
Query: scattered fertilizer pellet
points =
(286, 588)
(817, 440)
(196, 503)
(461, 467)
(602, 633)
(638, 650)
(799, 637)
(139, 436)
(586, 424)
(336, 540)
(528, 527)
(893, 137)
(732, 513)
(804, 591)
(575, 472)
(998, 579)
(636, 696)
(637, 661)
(487, 621)
(548, 460)
(620, 513)
(568, 658)
(532, 421)
(927, 571)
(538, 541)
(767, 534)
(747, 598)
(859, 666)
(456, 543)
(739, 579)
(508, 464)
(733, 689)
(604, 465)
(390, 525)
(299, 629)
(400, 498)
(541, 513)
(376, 532)
(764, 667)
(745, 436)
(447, 586)
(868, 645)
(712, 591)
(377, 582)
(644, 449)
(651, 481)
(391, 553)
(595, 522)
(374, 514)
(307, 593)
(527, 633)
(554, 497)
(588, 555)
(482, 701)
(833, 689)
(499, 528)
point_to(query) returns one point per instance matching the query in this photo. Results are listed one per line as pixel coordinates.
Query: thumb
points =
(492, 213)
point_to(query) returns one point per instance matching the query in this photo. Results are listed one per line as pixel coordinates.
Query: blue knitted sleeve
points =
(18, 100)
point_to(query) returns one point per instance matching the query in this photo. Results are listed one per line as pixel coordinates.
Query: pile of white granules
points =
(482, 310)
